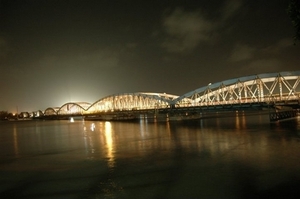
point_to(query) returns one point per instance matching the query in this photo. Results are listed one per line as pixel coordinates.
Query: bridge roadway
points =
(270, 91)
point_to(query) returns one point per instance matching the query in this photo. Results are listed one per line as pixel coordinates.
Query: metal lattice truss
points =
(51, 111)
(118, 102)
(132, 101)
(271, 87)
(73, 108)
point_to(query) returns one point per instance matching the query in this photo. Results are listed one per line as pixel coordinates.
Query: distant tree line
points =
(294, 13)
(4, 115)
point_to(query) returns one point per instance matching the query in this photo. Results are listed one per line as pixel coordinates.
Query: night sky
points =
(58, 51)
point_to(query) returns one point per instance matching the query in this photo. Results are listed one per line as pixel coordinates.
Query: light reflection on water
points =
(168, 158)
(16, 147)
(109, 144)
(92, 143)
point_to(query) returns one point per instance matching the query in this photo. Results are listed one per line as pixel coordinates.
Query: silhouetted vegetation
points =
(3, 115)
(294, 13)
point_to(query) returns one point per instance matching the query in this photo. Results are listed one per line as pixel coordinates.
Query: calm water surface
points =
(234, 157)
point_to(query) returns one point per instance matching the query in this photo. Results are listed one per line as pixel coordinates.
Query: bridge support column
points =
(280, 115)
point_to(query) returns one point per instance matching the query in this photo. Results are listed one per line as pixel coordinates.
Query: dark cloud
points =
(241, 53)
(185, 30)
(230, 8)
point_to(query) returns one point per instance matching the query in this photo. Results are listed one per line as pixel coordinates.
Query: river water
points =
(226, 157)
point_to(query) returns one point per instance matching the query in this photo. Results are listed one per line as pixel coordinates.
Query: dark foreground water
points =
(235, 157)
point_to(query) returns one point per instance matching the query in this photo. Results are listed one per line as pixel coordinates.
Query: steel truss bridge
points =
(262, 90)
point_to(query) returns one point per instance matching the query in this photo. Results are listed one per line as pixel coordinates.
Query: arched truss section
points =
(51, 111)
(132, 101)
(38, 113)
(270, 87)
(73, 108)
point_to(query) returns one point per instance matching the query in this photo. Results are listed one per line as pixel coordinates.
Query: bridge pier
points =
(280, 115)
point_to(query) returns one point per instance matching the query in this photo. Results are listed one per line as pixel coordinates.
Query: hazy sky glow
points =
(58, 51)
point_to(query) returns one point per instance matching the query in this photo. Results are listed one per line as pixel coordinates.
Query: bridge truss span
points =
(132, 101)
(73, 108)
(267, 88)
(270, 88)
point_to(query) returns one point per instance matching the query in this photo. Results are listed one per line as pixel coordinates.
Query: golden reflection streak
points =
(168, 129)
(237, 121)
(109, 144)
(240, 120)
(16, 147)
(244, 121)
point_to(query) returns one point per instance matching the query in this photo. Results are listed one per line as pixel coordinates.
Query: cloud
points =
(242, 52)
(264, 65)
(185, 30)
(230, 8)
(131, 45)
(99, 59)
(258, 66)
(256, 61)
(4, 48)
(278, 47)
